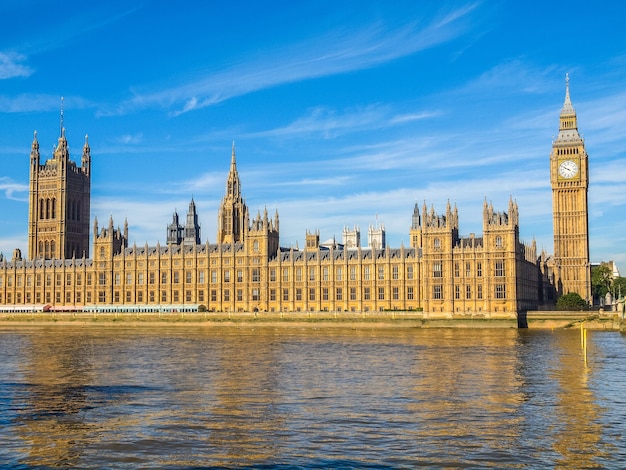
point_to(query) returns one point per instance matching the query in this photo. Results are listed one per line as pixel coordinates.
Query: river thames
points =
(228, 397)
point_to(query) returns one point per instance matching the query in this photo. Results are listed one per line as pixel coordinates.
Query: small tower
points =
(192, 227)
(174, 231)
(233, 216)
(376, 237)
(351, 238)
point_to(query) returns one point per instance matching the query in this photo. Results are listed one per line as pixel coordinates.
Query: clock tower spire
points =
(569, 178)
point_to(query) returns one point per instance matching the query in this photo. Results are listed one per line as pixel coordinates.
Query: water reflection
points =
(85, 397)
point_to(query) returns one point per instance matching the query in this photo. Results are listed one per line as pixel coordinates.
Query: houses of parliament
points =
(246, 269)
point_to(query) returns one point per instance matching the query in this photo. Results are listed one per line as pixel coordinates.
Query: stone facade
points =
(441, 273)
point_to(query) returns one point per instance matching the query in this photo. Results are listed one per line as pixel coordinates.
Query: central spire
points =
(568, 109)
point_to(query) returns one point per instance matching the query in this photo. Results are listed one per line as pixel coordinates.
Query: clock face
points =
(568, 169)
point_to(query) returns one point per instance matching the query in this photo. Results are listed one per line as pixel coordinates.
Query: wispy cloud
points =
(33, 102)
(11, 189)
(334, 53)
(329, 123)
(13, 65)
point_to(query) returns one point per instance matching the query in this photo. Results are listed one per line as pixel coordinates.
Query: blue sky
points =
(343, 113)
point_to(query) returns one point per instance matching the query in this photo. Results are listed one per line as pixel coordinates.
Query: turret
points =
(86, 160)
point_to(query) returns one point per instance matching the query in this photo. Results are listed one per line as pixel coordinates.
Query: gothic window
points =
(325, 273)
(437, 272)
(352, 293)
(366, 273)
(409, 293)
(255, 246)
(239, 275)
(381, 293)
(285, 274)
(498, 241)
(352, 273)
(298, 294)
(227, 275)
(409, 272)
(479, 269)
(479, 292)
(272, 275)
(394, 272)
(256, 275)
(325, 293)
(437, 243)
(312, 293)
(499, 268)
(468, 292)
(366, 293)
(312, 275)
(396, 293)
(437, 292)
(457, 292)
(381, 273)
(339, 274)
(188, 277)
(163, 278)
(500, 291)
(339, 293)
(457, 271)
(286, 295)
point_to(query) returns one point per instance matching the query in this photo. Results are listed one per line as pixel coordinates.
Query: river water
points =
(227, 397)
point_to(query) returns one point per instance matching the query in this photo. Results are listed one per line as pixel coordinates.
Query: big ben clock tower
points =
(569, 178)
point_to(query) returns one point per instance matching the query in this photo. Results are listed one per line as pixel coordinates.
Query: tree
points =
(571, 301)
(619, 286)
(601, 281)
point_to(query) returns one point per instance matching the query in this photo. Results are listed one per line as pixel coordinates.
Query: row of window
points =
(285, 295)
(499, 292)
(499, 269)
(437, 243)
(48, 209)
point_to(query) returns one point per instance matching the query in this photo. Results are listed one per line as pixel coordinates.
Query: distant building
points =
(441, 272)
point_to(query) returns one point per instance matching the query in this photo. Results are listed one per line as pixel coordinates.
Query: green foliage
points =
(619, 286)
(571, 301)
(601, 281)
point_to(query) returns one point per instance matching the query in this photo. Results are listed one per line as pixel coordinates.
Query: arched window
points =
(54, 208)
(498, 241)
(41, 208)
